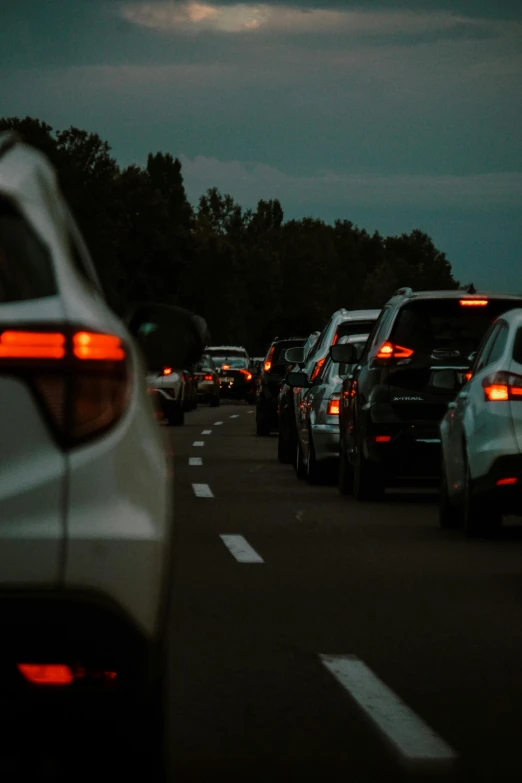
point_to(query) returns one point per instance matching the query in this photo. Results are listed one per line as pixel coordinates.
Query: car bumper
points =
(207, 389)
(326, 441)
(509, 496)
(405, 449)
(112, 661)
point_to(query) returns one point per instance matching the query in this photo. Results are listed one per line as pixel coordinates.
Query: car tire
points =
(481, 517)
(345, 473)
(262, 426)
(368, 481)
(450, 514)
(314, 469)
(300, 466)
(176, 416)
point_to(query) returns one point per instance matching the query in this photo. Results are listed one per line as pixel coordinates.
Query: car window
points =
(444, 327)
(499, 345)
(380, 327)
(280, 349)
(517, 348)
(26, 270)
(480, 359)
(349, 328)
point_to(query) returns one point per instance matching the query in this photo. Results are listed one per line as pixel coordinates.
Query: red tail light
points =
(208, 378)
(61, 674)
(225, 366)
(248, 375)
(473, 302)
(502, 386)
(317, 368)
(382, 438)
(391, 351)
(80, 377)
(506, 482)
(268, 363)
(334, 406)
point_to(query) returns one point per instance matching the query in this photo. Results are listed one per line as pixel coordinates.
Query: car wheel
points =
(262, 426)
(176, 416)
(450, 514)
(480, 515)
(300, 466)
(314, 469)
(284, 449)
(345, 473)
(368, 481)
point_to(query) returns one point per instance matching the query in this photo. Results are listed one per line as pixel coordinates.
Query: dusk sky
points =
(393, 114)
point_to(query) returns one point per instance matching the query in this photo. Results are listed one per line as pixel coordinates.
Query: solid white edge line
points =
(199, 443)
(195, 461)
(239, 548)
(416, 743)
(206, 432)
(202, 491)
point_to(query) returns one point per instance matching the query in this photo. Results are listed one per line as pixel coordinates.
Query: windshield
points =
(443, 328)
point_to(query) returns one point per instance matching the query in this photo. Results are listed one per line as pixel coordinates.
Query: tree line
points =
(249, 272)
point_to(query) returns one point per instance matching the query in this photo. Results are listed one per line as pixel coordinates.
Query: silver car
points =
(318, 416)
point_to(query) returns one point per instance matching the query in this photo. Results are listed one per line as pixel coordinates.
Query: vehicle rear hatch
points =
(34, 467)
(276, 367)
(429, 336)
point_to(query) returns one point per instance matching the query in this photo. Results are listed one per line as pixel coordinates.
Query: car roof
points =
(225, 348)
(359, 315)
(513, 316)
(454, 294)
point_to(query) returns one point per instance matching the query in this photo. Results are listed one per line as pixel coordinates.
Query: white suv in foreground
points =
(86, 517)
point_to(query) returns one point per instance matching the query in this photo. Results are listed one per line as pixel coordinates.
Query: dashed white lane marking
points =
(250, 411)
(199, 443)
(299, 515)
(202, 491)
(235, 416)
(217, 423)
(195, 461)
(206, 432)
(241, 549)
(413, 739)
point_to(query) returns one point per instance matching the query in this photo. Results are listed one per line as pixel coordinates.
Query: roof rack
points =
(404, 292)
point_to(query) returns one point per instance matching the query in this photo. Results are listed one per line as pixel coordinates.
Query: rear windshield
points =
(284, 345)
(354, 327)
(205, 364)
(25, 265)
(445, 325)
(517, 350)
(232, 361)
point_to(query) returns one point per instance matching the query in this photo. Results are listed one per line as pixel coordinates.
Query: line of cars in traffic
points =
(223, 371)
(427, 390)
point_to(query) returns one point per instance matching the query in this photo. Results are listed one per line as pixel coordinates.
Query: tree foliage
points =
(250, 273)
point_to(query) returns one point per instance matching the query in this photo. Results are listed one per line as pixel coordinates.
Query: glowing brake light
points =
(59, 674)
(208, 378)
(469, 376)
(32, 345)
(473, 302)
(317, 368)
(334, 406)
(225, 366)
(382, 438)
(248, 375)
(89, 345)
(502, 386)
(505, 482)
(167, 371)
(268, 363)
(390, 351)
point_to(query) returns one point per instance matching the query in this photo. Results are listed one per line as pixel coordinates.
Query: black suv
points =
(274, 370)
(414, 362)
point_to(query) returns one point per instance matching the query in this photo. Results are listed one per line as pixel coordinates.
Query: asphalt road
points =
(333, 640)
(426, 623)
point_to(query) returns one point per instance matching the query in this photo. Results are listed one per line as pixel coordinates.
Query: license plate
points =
(227, 380)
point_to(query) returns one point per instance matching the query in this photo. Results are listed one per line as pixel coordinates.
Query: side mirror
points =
(346, 353)
(294, 355)
(445, 379)
(168, 336)
(298, 379)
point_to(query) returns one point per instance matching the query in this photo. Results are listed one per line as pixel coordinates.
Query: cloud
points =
(194, 16)
(250, 182)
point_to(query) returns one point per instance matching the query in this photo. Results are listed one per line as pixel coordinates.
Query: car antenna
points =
(471, 289)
